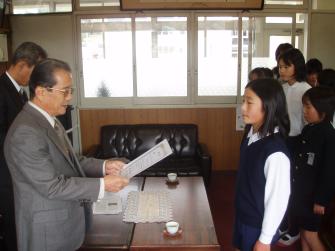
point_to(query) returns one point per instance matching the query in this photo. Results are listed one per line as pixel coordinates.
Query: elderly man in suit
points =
(52, 184)
(12, 99)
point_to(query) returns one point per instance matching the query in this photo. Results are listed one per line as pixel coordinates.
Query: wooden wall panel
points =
(216, 128)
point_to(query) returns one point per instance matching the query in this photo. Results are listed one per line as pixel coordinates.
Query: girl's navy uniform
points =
(313, 172)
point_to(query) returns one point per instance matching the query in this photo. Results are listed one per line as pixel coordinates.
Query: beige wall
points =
(322, 38)
(52, 32)
(55, 34)
(324, 4)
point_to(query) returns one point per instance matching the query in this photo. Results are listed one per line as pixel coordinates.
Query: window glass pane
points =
(217, 56)
(38, 6)
(161, 56)
(275, 41)
(278, 20)
(107, 57)
(63, 7)
(285, 2)
(92, 3)
(266, 35)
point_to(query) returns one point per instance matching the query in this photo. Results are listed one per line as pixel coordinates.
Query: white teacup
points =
(172, 227)
(172, 177)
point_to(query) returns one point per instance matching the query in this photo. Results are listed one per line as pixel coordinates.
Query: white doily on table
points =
(148, 206)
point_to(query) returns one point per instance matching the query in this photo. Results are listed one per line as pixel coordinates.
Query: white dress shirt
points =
(294, 95)
(16, 85)
(277, 190)
(51, 120)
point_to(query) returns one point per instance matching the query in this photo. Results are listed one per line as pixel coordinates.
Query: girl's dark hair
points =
(43, 74)
(323, 100)
(274, 106)
(261, 72)
(313, 65)
(282, 48)
(268, 73)
(294, 57)
(327, 78)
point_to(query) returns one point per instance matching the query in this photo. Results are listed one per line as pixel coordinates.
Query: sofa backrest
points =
(130, 141)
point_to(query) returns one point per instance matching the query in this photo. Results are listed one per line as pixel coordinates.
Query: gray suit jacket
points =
(48, 188)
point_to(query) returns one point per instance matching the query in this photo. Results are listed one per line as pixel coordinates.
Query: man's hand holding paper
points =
(114, 167)
(115, 183)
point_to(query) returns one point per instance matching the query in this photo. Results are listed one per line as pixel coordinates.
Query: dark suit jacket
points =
(10, 105)
(49, 187)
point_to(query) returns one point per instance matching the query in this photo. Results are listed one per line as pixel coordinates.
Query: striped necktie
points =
(23, 95)
(61, 135)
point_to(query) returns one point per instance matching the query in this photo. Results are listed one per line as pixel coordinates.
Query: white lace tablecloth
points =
(148, 206)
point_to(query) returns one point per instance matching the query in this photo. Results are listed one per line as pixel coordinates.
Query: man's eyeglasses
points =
(66, 91)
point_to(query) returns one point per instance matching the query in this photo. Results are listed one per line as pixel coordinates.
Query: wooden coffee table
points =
(109, 232)
(190, 208)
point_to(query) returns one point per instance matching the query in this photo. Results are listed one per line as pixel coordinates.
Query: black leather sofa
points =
(189, 157)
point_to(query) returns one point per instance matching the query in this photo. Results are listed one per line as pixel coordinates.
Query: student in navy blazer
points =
(25, 57)
(313, 172)
(263, 180)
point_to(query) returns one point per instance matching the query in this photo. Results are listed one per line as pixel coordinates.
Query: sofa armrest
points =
(94, 152)
(205, 160)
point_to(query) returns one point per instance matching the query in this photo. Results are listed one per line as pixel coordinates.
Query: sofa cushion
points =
(189, 157)
(130, 141)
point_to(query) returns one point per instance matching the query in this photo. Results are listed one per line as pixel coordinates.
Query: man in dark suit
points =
(12, 99)
(52, 184)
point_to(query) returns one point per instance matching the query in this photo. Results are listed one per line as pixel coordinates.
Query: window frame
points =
(286, 6)
(134, 100)
(97, 8)
(192, 99)
(77, 8)
(228, 99)
(70, 2)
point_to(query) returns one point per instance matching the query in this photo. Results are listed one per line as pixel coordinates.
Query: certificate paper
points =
(110, 204)
(147, 159)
